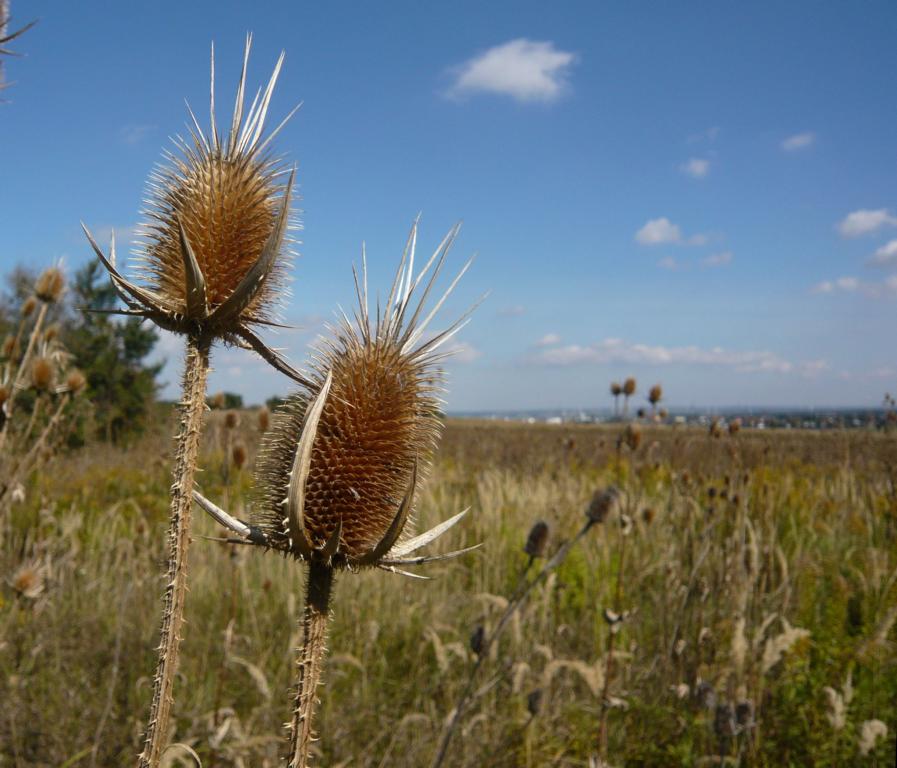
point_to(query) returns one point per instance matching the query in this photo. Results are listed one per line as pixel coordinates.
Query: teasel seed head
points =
(616, 389)
(537, 541)
(264, 419)
(41, 374)
(629, 387)
(52, 333)
(4, 396)
(477, 639)
(655, 394)
(734, 426)
(238, 454)
(231, 420)
(534, 702)
(214, 248)
(10, 348)
(339, 469)
(632, 436)
(29, 305)
(75, 382)
(603, 503)
(50, 285)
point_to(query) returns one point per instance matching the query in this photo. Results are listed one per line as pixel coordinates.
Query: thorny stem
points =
(489, 641)
(196, 370)
(609, 661)
(311, 659)
(17, 378)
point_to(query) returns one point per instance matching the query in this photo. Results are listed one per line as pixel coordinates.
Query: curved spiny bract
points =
(214, 249)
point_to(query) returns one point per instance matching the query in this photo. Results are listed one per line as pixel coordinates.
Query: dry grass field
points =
(737, 605)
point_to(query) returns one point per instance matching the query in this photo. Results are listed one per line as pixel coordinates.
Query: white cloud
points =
(620, 351)
(134, 134)
(525, 70)
(548, 340)
(696, 167)
(875, 290)
(658, 232)
(668, 262)
(864, 221)
(463, 352)
(887, 254)
(799, 141)
(718, 259)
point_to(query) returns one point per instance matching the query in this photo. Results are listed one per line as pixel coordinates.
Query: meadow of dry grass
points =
(757, 575)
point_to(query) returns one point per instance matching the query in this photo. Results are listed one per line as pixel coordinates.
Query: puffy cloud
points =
(548, 340)
(658, 232)
(696, 167)
(463, 352)
(799, 141)
(876, 290)
(864, 221)
(887, 254)
(718, 259)
(525, 70)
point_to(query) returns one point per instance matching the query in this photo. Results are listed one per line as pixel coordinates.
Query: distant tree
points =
(111, 352)
(273, 403)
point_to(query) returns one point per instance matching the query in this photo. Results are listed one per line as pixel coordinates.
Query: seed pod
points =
(10, 348)
(648, 515)
(50, 285)
(655, 394)
(632, 436)
(477, 639)
(734, 426)
(51, 333)
(616, 389)
(264, 419)
(348, 453)
(629, 387)
(75, 381)
(214, 249)
(602, 504)
(715, 429)
(29, 306)
(239, 455)
(231, 419)
(537, 541)
(534, 702)
(41, 374)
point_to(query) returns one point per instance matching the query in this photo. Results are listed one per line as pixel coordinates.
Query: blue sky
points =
(698, 194)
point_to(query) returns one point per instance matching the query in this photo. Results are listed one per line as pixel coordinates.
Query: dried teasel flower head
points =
(214, 248)
(537, 540)
(338, 470)
(616, 389)
(603, 503)
(10, 347)
(50, 285)
(478, 639)
(629, 387)
(28, 306)
(75, 381)
(534, 702)
(734, 426)
(4, 395)
(231, 420)
(264, 419)
(29, 581)
(41, 374)
(632, 437)
(51, 333)
(716, 429)
(238, 454)
(655, 394)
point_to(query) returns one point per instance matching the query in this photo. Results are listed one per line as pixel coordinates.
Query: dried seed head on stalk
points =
(75, 381)
(238, 454)
(29, 305)
(339, 468)
(41, 374)
(214, 249)
(537, 540)
(50, 285)
(629, 387)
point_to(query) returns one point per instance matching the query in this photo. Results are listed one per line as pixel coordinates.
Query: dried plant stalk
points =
(314, 637)
(192, 405)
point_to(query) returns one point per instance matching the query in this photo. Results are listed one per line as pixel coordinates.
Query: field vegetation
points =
(734, 604)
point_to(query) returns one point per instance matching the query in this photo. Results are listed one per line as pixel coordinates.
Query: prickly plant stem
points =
(311, 659)
(18, 377)
(196, 370)
(513, 606)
